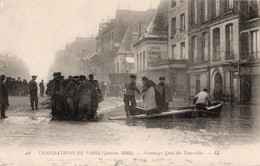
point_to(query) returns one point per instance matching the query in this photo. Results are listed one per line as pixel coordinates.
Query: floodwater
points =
(237, 126)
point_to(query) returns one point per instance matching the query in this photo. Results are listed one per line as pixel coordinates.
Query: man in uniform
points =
(129, 95)
(3, 96)
(165, 93)
(33, 88)
(42, 88)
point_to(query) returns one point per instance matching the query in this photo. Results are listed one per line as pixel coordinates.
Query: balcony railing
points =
(230, 55)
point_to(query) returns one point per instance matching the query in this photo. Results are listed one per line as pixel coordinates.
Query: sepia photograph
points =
(129, 82)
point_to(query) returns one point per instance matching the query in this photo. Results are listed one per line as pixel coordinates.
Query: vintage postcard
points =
(129, 82)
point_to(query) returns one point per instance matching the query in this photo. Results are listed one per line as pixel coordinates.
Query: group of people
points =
(111, 90)
(17, 87)
(75, 97)
(10, 86)
(156, 97)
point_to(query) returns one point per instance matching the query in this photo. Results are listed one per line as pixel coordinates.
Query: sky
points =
(35, 29)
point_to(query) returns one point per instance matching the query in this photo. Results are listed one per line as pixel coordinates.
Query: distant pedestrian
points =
(33, 88)
(42, 88)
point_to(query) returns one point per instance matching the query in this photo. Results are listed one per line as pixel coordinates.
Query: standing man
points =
(3, 96)
(129, 95)
(70, 93)
(42, 88)
(33, 88)
(96, 96)
(165, 93)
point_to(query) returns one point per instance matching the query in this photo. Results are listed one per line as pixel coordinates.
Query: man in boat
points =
(129, 95)
(165, 93)
(33, 88)
(202, 99)
(151, 96)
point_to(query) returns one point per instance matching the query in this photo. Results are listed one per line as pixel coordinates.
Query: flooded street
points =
(25, 129)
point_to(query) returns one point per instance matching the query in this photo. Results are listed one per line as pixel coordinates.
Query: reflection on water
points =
(237, 124)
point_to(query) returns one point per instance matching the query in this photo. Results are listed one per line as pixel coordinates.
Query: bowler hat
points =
(162, 78)
(133, 76)
(34, 76)
(57, 74)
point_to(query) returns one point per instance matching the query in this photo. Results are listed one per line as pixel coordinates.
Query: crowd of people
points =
(12, 87)
(75, 97)
(17, 87)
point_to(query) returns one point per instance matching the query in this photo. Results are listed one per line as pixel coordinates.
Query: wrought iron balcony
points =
(230, 55)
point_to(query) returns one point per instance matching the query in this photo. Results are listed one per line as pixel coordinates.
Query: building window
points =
(173, 3)
(182, 50)
(173, 25)
(255, 48)
(244, 44)
(193, 12)
(174, 54)
(204, 8)
(193, 49)
(182, 22)
(144, 62)
(229, 5)
(216, 44)
(205, 48)
(229, 42)
(253, 9)
(216, 8)
(140, 62)
(137, 62)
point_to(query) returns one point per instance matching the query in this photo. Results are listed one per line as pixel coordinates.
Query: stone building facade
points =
(250, 52)
(214, 47)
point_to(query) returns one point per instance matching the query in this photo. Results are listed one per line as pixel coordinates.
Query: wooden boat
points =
(212, 111)
(169, 113)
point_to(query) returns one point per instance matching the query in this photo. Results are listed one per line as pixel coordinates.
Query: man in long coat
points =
(70, 93)
(165, 93)
(3, 96)
(33, 88)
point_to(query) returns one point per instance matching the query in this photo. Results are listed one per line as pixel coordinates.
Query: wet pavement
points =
(236, 127)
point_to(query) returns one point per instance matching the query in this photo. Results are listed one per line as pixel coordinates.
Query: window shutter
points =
(244, 46)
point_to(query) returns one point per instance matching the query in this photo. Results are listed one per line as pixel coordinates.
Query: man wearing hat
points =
(165, 93)
(129, 95)
(33, 89)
